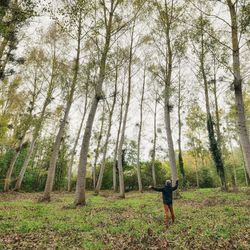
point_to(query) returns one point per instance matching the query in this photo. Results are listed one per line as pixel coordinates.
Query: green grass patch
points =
(205, 218)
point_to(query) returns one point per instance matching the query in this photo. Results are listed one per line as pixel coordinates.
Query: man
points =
(167, 196)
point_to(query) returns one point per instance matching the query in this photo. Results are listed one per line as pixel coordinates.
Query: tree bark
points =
(100, 177)
(154, 141)
(241, 117)
(81, 181)
(78, 134)
(181, 163)
(140, 133)
(73, 152)
(167, 106)
(115, 186)
(122, 139)
(214, 147)
(99, 139)
(81, 175)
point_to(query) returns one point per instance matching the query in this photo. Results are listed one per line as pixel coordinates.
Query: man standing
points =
(167, 197)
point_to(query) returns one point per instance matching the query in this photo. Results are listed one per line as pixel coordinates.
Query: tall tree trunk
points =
(73, 152)
(122, 139)
(154, 141)
(97, 152)
(140, 133)
(81, 181)
(56, 147)
(81, 175)
(181, 163)
(78, 134)
(167, 106)
(218, 132)
(100, 177)
(243, 132)
(115, 163)
(214, 147)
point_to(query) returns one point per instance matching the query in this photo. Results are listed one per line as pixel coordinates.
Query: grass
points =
(205, 219)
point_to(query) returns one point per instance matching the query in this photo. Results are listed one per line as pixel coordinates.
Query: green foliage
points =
(5, 159)
(245, 18)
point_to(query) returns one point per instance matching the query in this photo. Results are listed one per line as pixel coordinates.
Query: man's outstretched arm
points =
(157, 189)
(176, 185)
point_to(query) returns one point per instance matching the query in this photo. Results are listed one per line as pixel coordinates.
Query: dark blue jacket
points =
(167, 193)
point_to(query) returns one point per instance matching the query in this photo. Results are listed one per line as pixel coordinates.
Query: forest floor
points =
(205, 219)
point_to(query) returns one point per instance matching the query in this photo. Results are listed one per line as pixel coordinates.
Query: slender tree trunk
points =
(73, 152)
(167, 106)
(181, 163)
(235, 181)
(196, 172)
(99, 139)
(154, 141)
(218, 132)
(100, 178)
(81, 181)
(243, 131)
(214, 147)
(122, 139)
(78, 134)
(244, 168)
(140, 133)
(115, 186)
(25, 164)
(56, 147)
(11, 166)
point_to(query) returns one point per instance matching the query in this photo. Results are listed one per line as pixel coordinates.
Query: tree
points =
(202, 53)
(180, 103)
(140, 131)
(109, 27)
(169, 13)
(115, 167)
(234, 8)
(79, 132)
(99, 136)
(79, 12)
(111, 112)
(13, 16)
(24, 124)
(123, 128)
(52, 38)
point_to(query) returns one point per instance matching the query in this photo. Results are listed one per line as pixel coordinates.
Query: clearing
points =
(205, 219)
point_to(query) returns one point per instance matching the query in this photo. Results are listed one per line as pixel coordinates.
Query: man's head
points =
(168, 183)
